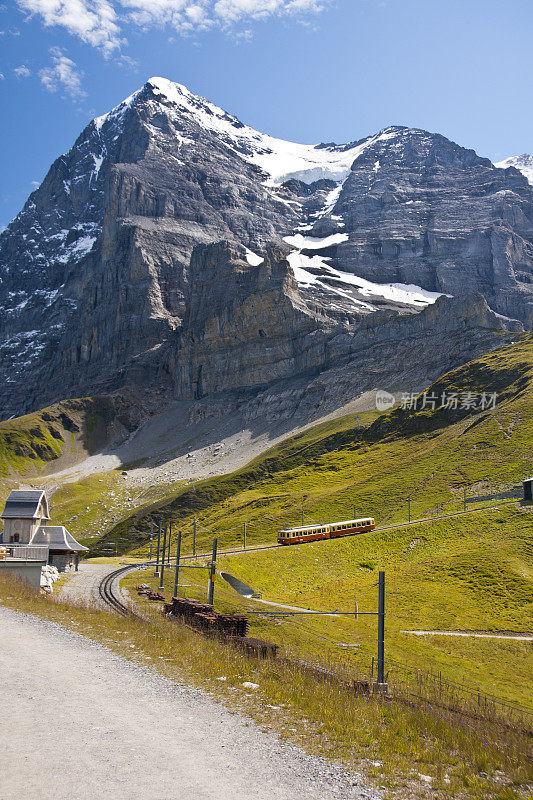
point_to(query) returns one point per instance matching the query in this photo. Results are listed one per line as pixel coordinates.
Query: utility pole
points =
(194, 538)
(381, 629)
(409, 504)
(151, 536)
(212, 573)
(244, 544)
(303, 518)
(156, 573)
(169, 542)
(464, 499)
(161, 587)
(177, 573)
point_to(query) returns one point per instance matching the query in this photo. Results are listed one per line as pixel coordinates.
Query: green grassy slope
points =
(468, 572)
(42, 443)
(373, 467)
(62, 434)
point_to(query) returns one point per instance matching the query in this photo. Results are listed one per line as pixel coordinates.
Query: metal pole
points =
(151, 537)
(169, 541)
(244, 536)
(156, 573)
(381, 629)
(303, 518)
(177, 575)
(194, 538)
(212, 572)
(409, 502)
(161, 587)
(464, 500)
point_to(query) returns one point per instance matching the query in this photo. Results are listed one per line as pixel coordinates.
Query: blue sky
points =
(304, 70)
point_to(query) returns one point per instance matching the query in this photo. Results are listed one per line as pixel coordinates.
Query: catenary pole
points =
(177, 573)
(212, 573)
(161, 587)
(381, 628)
(156, 573)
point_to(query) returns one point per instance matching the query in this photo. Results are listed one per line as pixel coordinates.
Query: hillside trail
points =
(94, 724)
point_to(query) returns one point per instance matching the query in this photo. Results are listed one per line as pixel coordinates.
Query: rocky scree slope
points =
(111, 275)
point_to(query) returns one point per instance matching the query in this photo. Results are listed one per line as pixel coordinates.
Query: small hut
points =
(23, 515)
(64, 551)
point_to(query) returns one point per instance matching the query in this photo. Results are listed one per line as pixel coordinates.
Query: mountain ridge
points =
(95, 270)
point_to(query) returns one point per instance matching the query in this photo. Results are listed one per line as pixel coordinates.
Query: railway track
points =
(114, 600)
(107, 592)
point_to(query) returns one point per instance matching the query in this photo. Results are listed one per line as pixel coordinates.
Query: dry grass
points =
(393, 743)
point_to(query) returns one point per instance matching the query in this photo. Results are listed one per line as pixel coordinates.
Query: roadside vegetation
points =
(395, 746)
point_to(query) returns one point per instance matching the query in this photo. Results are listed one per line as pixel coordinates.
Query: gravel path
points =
(82, 587)
(78, 721)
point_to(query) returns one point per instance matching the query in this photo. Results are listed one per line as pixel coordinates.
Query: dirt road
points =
(77, 721)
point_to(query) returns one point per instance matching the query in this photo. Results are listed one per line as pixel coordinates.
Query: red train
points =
(310, 533)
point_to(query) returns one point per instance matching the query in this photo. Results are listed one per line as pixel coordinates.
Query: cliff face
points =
(111, 276)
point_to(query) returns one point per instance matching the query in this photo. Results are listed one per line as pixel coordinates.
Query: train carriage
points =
(333, 530)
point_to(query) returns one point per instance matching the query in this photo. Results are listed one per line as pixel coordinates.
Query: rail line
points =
(109, 597)
(108, 594)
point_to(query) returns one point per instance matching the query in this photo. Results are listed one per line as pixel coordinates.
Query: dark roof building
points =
(24, 533)
(26, 504)
(56, 537)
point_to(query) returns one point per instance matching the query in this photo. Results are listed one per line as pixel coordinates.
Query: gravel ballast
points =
(79, 721)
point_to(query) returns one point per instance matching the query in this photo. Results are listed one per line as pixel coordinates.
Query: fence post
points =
(244, 536)
(212, 573)
(381, 628)
(177, 574)
(161, 587)
(194, 537)
(156, 573)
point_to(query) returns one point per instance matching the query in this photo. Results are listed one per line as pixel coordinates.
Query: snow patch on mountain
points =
(116, 113)
(279, 159)
(523, 163)
(316, 271)
(314, 243)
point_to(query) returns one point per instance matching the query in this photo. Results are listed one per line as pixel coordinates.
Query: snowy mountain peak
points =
(523, 163)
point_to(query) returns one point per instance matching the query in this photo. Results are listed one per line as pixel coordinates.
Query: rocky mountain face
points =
(175, 248)
(523, 164)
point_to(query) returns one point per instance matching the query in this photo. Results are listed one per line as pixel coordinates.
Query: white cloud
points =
(2, 76)
(22, 71)
(94, 21)
(63, 74)
(101, 23)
